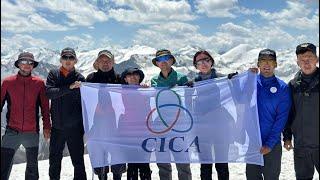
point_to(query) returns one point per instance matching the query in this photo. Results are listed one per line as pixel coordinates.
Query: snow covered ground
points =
(237, 171)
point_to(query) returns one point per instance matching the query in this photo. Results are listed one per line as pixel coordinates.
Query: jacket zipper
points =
(24, 94)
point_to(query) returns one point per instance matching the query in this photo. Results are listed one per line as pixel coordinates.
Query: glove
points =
(189, 84)
(230, 76)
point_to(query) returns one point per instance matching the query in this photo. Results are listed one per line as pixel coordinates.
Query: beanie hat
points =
(26, 56)
(163, 55)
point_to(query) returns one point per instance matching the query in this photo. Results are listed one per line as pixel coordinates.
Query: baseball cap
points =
(304, 47)
(267, 53)
(101, 53)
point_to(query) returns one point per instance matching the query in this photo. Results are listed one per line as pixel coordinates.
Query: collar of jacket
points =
(212, 76)
(19, 75)
(65, 72)
(110, 73)
(298, 80)
(265, 82)
(161, 75)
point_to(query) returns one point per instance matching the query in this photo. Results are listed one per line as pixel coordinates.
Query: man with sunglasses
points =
(62, 87)
(274, 103)
(168, 77)
(303, 122)
(24, 94)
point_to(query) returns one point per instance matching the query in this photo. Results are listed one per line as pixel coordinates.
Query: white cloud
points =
(172, 35)
(245, 11)
(235, 29)
(176, 35)
(80, 12)
(83, 42)
(21, 17)
(20, 41)
(216, 8)
(231, 35)
(150, 12)
(26, 16)
(297, 15)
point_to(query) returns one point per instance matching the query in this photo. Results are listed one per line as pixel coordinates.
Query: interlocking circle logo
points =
(164, 122)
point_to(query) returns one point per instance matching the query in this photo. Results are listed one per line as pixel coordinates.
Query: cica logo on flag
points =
(215, 121)
(169, 127)
(176, 117)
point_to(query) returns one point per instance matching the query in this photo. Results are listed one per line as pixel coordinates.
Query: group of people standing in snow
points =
(291, 109)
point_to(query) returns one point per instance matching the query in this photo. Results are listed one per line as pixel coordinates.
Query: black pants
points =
(305, 160)
(135, 168)
(270, 170)
(74, 140)
(221, 168)
(116, 169)
(11, 141)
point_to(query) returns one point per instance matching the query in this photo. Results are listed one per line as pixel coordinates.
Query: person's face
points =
(105, 64)
(267, 66)
(132, 79)
(165, 65)
(307, 62)
(26, 66)
(68, 62)
(203, 63)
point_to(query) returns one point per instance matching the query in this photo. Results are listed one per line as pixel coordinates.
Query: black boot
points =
(132, 174)
(222, 171)
(117, 176)
(145, 176)
(206, 172)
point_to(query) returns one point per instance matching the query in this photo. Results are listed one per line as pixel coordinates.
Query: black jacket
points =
(303, 122)
(66, 112)
(104, 77)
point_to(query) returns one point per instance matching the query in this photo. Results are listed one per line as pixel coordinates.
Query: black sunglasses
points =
(70, 58)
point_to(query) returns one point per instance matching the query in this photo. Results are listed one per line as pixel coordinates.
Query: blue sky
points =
(217, 25)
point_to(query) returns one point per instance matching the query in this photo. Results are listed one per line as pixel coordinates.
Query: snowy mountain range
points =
(240, 58)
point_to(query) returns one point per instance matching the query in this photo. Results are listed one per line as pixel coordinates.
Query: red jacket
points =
(24, 95)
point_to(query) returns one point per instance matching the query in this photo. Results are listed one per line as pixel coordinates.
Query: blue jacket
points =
(274, 103)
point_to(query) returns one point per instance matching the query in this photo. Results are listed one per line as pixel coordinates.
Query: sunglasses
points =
(68, 58)
(26, 62)
(203, 61)
(163, 58)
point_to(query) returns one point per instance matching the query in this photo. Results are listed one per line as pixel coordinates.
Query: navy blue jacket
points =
(274, 103)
